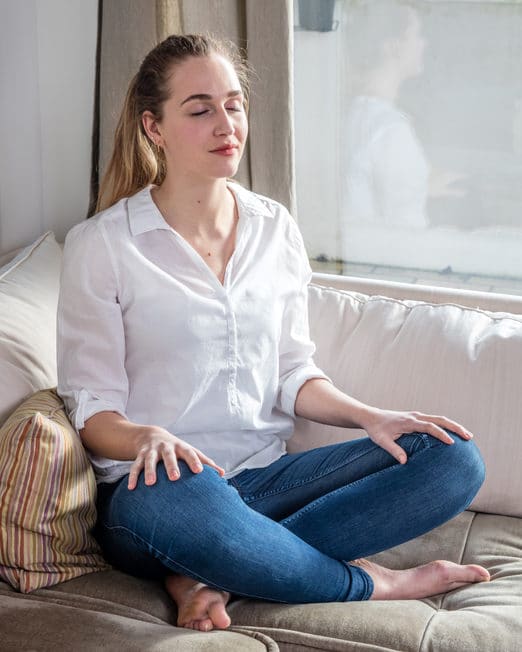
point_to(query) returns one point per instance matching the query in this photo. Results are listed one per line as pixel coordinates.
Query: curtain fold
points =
(264, 30)
(269, 28)
(128, 31)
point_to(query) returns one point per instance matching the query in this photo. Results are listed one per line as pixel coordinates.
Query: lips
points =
(225, 150)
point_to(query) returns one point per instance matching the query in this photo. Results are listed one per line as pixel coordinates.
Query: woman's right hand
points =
(156, 444)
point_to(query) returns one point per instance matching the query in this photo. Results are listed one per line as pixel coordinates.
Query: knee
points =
(464, 467)
(469, 463)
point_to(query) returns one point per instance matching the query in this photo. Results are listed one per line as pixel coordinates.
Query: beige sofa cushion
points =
(110, 611)
(446, 359)
(29, 286)
(483, 617)
(476, 618)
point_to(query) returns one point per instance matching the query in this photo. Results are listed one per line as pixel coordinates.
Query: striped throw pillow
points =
(47, 498)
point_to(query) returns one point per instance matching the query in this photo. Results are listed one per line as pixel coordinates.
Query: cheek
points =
(242, 127)
(188, 135)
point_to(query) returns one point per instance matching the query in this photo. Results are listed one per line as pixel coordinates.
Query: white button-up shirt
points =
(146, 329)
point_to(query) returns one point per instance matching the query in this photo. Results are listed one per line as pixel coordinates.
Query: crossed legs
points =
(283, 532)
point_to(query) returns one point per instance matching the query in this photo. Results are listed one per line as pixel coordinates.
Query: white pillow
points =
(8, 257)
(29, 286)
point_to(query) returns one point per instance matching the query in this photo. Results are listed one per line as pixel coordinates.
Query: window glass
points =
(408, 119)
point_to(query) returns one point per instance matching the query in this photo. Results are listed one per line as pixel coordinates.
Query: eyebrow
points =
(205, 96)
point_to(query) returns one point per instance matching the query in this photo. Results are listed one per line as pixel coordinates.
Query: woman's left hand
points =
(385, 426)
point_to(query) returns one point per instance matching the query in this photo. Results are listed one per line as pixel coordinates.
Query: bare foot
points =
(199, 606)
(422, 581)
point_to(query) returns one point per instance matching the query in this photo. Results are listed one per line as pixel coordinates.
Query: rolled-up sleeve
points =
(90, 335)
(296, 349)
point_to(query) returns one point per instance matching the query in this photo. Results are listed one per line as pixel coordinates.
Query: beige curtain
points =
(130, 28)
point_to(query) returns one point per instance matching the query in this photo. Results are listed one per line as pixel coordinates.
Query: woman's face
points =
(204, 125)
(412, 46)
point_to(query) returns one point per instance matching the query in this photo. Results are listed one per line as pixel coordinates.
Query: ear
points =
(151, 126)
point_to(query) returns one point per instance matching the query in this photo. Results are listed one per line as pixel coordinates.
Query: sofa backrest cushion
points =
(29, 286)
(463, 363)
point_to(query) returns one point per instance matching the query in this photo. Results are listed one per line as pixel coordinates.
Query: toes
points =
(460, 574)
(204, 625)
(218, 614)
(482, 571)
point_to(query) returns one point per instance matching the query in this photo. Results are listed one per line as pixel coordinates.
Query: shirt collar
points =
(144, 214)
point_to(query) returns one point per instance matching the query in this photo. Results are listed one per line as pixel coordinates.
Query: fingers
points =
(134, 473)
(171, 464)
(394, 450)
(441, 422)
(189, 455)
(437, 432)
(196, 459)
(169, 453)
(210, 462)
(146, 460)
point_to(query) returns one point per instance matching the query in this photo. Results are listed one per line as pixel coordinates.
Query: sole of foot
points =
(436, 577)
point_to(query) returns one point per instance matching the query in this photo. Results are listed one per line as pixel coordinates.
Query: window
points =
(408, 119)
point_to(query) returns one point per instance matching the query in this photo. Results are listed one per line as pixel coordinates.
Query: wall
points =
(47, 76)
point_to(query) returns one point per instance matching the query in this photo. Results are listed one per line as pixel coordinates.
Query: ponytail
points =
(135, 161)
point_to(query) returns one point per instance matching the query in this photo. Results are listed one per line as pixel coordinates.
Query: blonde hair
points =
(136, 161)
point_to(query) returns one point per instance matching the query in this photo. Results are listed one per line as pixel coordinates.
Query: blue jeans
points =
(286, 532)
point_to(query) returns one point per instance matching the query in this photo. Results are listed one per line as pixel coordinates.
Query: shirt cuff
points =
(82, 405)
(292, 385)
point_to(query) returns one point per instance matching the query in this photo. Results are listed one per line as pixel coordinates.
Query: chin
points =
(225, 171)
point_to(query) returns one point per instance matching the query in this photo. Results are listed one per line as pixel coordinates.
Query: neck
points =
(199, 208)
(383, 82)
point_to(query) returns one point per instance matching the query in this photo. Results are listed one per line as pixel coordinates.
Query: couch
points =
(435, 356)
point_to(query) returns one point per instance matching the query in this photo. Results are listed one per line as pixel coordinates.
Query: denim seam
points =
(162, 556)
(318, 501)
(253, 497)
(301, 481)
(367, 579)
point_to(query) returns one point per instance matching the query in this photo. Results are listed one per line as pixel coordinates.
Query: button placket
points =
(232, 356)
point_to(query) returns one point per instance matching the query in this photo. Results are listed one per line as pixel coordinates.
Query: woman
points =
(387, 176)
(184, 357)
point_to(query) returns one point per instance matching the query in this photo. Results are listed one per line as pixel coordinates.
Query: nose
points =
(224, 123)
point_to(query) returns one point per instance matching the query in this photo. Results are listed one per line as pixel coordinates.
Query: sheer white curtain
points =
(47, 72)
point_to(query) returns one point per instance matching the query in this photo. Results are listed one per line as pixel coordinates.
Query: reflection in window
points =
(409, 142)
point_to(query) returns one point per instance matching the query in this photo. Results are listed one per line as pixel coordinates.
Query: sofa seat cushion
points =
(476, 618)
(109, 610)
